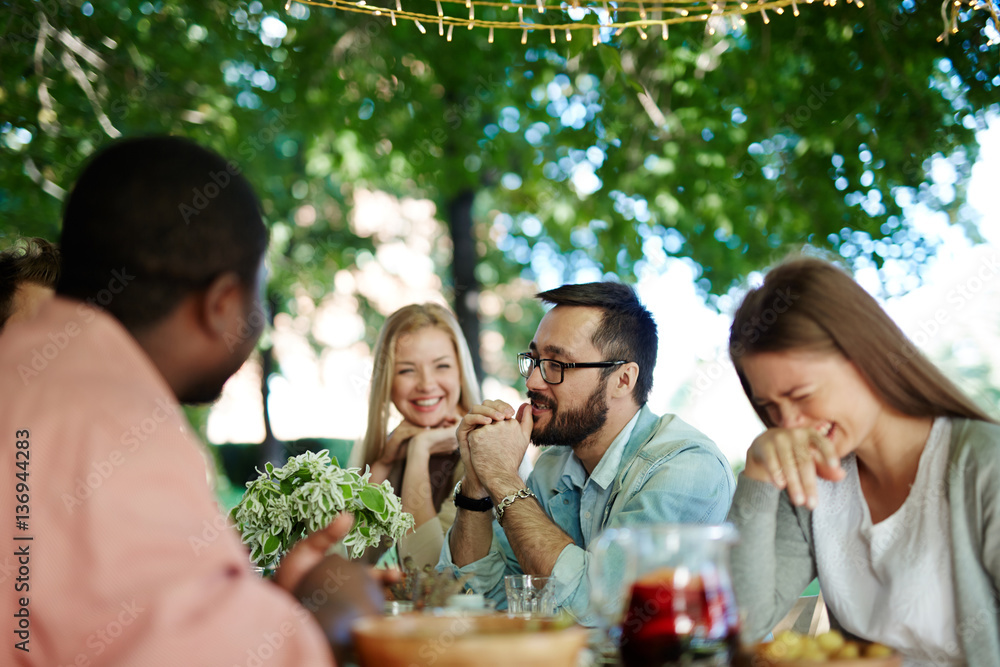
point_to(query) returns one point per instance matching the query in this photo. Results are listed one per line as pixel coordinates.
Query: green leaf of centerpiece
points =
(271, 544)
(372, 499)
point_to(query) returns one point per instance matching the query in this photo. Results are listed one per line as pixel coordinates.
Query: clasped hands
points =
(792, 459)
(409, 439)
(416, 443)
(493, 439)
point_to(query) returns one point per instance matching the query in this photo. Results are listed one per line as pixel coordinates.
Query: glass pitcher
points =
(664, 596)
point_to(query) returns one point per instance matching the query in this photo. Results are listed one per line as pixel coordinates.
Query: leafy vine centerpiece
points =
(285, 504)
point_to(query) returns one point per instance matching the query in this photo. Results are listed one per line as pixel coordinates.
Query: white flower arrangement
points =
(285, 504)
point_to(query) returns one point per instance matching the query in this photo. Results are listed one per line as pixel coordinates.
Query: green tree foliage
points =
(561, 160)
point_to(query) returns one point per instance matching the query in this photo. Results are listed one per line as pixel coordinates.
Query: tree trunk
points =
(464, 273)
(271, 450)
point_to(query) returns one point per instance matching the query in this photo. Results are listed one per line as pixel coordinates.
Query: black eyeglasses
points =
(552, 370)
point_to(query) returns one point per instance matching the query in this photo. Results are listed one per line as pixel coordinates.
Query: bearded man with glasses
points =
(611, 461)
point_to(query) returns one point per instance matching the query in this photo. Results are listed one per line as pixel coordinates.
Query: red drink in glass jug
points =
(677, 617)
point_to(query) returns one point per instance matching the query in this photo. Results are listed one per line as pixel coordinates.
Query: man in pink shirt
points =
(115, 551)
(29, 269)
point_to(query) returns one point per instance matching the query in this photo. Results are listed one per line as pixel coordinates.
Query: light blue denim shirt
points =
(657, 470)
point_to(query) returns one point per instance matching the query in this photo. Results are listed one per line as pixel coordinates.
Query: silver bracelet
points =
(508, 501)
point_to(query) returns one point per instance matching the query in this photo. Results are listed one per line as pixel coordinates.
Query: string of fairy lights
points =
(646, 18)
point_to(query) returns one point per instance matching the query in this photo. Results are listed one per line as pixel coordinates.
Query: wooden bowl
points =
(496, 640)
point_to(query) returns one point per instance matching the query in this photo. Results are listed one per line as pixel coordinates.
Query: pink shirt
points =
(123, 556)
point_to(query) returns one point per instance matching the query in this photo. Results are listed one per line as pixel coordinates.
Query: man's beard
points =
(571, 428)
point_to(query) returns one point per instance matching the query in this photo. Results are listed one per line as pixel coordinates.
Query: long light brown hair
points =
(407, 320)
(810, 304)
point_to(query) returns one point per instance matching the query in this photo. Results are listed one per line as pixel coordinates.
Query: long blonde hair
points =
(809, 304)
(409, 319)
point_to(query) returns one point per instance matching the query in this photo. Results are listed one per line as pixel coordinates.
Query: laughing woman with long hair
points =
(875, 474)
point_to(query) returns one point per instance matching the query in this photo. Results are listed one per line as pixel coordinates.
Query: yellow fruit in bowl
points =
(877, 651)
(773, 651)
(798, 650)
(849, 651)
(788, 645)
(789, 638)
(831, 642)
(811, 650)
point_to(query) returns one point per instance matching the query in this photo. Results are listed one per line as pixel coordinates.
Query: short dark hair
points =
(162, 216)
(27, 260)
(627, 330)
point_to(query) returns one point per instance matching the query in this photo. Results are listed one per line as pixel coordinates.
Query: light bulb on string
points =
(638, 15)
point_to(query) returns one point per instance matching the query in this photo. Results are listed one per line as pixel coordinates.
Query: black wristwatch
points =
(471, 504)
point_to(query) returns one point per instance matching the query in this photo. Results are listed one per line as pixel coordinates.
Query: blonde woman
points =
(422, 367)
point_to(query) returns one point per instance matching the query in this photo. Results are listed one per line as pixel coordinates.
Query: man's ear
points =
(223, 304)
(624, 379)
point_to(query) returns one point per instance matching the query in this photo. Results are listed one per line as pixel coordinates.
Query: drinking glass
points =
(664, 594)
(397, 607)
(528, 595)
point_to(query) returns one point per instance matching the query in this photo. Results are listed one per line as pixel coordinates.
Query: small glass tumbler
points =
(530, 596)
(397, 607)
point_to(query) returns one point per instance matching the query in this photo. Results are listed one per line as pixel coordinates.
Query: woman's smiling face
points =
(427, 382)
(821, 391)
